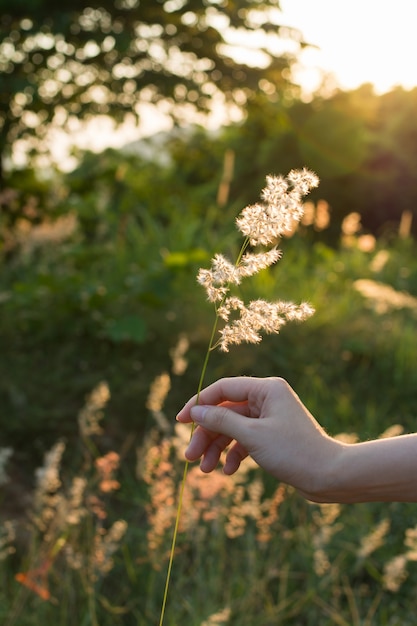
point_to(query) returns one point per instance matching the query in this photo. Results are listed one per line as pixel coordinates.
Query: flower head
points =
(259, 315)
(216, 280)
(265, 223)
(303, 180)
(262, 224)
(252, 263)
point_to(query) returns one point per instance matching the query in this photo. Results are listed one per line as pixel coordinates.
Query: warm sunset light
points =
(208, 312)
(359, 41)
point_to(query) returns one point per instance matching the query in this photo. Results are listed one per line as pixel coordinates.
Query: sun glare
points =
(358, 41)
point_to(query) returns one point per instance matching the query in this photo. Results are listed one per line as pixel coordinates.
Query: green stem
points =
(174, 541)
(184, 476)
(245, 244)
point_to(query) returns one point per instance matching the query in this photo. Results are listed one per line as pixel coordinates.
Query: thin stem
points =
(174, 541)
(90, 583)
(184, 476)
(210, 347)
(206, 360)
(245, 244)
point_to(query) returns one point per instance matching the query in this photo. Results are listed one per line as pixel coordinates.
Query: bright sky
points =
(360, 40)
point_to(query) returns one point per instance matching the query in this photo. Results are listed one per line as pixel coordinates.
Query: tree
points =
(387, 188)
(83, 58)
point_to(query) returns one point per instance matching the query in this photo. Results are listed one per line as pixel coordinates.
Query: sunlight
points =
(358, 42)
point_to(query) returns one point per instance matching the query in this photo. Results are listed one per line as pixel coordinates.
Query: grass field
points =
(88, 509)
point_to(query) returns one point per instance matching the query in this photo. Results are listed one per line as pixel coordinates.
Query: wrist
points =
(325, 482)
(380, 470)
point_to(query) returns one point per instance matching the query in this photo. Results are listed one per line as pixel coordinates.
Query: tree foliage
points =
(362, 146)
(82, 58)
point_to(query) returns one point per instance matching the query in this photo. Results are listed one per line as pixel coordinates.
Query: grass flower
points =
(257, 316)
(374, 539)
(65, 512)
(106, 542)
(7, 538)
(261, 224)
(221, 617)
(253, 263)
(264, 223)
(92, 413)
(106, 465)
(5, 454)
(177, 353)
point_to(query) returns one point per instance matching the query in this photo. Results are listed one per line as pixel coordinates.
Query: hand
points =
(263, 418)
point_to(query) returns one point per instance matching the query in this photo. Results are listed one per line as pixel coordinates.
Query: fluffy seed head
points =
(252, 263)
(282, 205)
(261, 224)
(258, 316)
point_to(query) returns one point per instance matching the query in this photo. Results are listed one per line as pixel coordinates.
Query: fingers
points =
(234, 458)
(202, 441)
(221, 420)
(210, 446)
(226, 390)
(212, 454)
(222, 414)
(220, 427)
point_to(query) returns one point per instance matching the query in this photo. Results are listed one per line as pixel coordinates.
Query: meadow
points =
(103, 339)
(104, 329)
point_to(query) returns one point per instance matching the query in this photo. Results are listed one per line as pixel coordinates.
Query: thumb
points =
(219, 419)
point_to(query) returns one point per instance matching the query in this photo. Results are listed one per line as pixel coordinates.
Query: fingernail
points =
(198, 412)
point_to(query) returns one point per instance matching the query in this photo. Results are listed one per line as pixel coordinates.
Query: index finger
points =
(235, 390)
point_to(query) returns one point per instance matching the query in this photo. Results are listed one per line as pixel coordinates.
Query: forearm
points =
(379, 470)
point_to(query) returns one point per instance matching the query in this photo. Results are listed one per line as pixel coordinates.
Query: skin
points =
(264, 418)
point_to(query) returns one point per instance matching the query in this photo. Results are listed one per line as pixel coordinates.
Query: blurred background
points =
(132, 133)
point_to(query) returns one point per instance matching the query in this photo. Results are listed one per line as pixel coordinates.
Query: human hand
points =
(263, 418)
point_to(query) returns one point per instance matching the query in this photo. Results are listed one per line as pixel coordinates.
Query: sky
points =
(360, 41)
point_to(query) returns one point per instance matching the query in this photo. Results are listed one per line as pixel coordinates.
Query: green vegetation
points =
(60, 65)
(103, 327)
(98, 300)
